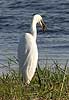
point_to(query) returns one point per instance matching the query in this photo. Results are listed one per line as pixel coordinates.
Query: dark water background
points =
(15, 20)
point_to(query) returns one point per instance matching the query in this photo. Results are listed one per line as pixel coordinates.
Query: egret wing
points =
(27, 53)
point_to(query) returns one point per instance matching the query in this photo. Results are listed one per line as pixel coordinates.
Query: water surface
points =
(15, 20)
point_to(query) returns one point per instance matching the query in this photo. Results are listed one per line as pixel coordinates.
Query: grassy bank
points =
(47, 84)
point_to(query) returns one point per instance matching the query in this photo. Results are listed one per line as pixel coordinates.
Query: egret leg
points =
(39, 80)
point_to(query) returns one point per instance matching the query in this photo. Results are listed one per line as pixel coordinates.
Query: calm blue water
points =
(15, 20)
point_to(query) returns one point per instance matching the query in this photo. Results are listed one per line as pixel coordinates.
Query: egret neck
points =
(34, 30)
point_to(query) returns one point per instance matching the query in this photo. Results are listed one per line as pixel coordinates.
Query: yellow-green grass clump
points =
(47, 84)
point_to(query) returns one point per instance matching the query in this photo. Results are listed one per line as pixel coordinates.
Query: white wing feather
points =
(27, 56)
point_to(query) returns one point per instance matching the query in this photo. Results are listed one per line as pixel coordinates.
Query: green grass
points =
(47, 84)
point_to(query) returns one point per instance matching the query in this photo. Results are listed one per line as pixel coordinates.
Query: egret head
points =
(38, 19)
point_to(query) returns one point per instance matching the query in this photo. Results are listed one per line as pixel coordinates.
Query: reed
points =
(47, 84)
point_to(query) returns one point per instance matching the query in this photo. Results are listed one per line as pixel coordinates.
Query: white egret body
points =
(28, 52)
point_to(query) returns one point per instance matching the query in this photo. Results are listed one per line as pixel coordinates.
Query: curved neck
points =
(34, 30)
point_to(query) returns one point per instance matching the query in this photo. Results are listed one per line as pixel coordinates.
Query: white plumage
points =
(28, 52)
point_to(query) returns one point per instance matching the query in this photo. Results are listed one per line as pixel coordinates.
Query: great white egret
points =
(28, 52)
